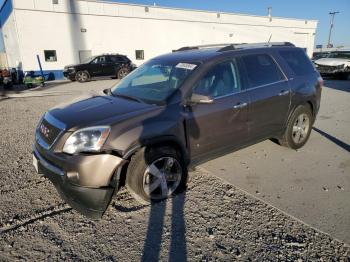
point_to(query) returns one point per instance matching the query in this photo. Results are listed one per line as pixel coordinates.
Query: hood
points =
(73, 65)
(332, 61)
(97, 110)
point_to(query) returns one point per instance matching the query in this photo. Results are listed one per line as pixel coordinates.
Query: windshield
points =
(345, 55)
(88, 60)
(155, 81)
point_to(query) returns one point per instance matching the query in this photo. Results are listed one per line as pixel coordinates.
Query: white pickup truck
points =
(336, 64)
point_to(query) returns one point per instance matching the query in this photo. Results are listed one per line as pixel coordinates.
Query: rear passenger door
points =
(108, 67)
(269, 94)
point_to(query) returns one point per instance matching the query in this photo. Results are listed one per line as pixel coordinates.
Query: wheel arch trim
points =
(158, 141)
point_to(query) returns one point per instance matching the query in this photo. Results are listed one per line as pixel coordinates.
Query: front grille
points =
(48, 132)
(328, 69)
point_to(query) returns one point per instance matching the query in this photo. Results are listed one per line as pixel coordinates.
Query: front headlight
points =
(89, 139)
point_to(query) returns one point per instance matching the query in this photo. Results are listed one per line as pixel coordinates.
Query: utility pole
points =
(331, 27)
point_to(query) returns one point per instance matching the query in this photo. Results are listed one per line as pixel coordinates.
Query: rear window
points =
(261, 70)
(298, 61)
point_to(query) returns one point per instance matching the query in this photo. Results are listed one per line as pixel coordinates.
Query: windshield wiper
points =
(128, 97)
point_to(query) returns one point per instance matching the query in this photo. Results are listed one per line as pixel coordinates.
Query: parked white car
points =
(336, 64)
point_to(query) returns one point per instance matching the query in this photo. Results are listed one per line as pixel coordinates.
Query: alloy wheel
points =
(82, 77)
(123, 73)
(300, 128)
(162, 177)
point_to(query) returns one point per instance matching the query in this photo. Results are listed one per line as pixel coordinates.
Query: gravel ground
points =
(211, 221)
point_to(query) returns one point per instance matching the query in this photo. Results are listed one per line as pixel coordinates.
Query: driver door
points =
(221, 125)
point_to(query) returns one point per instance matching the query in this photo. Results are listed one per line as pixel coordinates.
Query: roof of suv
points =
(208, 52)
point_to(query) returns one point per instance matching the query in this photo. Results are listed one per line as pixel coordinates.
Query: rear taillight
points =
(320, 82)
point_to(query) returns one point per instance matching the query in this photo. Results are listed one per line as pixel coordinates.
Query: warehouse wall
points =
(101, 27)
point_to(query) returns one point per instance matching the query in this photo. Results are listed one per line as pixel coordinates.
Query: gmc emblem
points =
(44, 130)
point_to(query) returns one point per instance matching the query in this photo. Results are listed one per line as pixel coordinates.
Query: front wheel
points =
(82, 76)
(155, 174)
(298, 128)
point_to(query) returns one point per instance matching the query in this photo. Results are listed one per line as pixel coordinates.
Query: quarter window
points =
(50, 55)
(221, 80)
(261, 70)
(298, 61)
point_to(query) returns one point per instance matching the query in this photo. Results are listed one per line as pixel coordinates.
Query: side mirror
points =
(201, 99)
(107, 91)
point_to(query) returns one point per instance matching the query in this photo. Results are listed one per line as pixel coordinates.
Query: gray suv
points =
(176, 111)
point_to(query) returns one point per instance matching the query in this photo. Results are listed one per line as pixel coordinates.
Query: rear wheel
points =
(82, 76)
(123, 72)
(298, 129)
(155, 174)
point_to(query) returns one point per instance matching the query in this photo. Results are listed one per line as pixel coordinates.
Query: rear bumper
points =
(70, 179)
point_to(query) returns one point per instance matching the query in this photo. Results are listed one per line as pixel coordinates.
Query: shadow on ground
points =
(335, 140)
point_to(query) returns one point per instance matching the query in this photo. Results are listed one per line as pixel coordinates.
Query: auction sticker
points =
(186, 66)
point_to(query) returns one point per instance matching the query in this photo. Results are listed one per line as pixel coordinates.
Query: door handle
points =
(284, 92)
(240, 105)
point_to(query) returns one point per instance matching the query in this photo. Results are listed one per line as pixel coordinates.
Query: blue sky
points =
(305, 9)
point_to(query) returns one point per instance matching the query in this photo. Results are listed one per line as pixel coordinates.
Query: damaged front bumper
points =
(86, 182)
(332, 70)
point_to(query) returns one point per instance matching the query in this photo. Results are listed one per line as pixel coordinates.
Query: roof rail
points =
(253, 45)
(185, 48)
(233, 46)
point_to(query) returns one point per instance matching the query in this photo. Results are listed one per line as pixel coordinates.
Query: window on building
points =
(261, 70)
(55, 2)
(139, 54)
(50, 55)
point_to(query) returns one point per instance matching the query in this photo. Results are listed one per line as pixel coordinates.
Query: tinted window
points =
(119, 59)
(261, 70)
(99, 60)
(221, 80)
(298, 61)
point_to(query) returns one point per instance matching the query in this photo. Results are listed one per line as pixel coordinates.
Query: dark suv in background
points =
(176, 110)
(107, 65)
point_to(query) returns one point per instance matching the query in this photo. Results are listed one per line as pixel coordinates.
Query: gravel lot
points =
(211, 221)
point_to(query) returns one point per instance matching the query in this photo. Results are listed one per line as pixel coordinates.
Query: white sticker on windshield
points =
(186, 66)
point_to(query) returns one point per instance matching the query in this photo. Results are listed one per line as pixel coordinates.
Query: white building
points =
(64, 32)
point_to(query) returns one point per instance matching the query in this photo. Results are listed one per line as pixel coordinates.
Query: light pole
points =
(331, 27)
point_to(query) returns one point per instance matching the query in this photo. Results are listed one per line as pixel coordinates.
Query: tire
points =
(123, 72)
(82, 76)
(139, 177)
(298, 128)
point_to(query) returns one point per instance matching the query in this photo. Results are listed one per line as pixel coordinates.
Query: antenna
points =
(269, 39)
